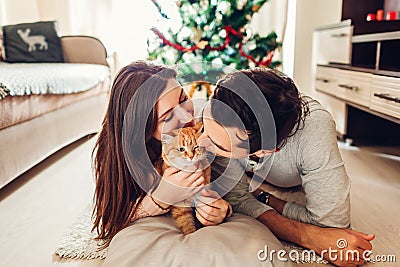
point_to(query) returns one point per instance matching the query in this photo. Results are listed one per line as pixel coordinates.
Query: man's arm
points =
(234, 188)
(304, 234)
(317, 238)
(324, 178)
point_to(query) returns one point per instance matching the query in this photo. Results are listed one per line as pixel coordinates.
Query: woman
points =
(143, 98)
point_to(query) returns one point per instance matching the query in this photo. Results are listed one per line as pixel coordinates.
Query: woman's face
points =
(174, 109)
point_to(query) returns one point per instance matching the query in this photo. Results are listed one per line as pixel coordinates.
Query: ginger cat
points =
(180, 149)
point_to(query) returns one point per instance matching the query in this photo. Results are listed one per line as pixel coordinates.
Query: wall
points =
(56, 10)
(303, 16)
(310, 14)
(272, 17)
(18, 11)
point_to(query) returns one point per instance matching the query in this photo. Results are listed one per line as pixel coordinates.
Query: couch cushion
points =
(32, 42)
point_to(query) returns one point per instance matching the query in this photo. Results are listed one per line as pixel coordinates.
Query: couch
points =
(37, 122)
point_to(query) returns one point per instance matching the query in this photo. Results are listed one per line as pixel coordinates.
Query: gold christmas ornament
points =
(198, 34)
(255, 8)
(202, 44)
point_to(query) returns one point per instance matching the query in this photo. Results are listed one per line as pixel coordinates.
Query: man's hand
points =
(317, 238)
(350, 245)
(211, 209)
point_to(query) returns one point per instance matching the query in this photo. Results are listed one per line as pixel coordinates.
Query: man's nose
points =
(205, 142)
(201, 138)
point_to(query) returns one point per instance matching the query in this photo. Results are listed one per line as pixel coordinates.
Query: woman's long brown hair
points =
(117, 192)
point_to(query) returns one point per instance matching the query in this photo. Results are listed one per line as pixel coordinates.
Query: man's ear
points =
(263, 153)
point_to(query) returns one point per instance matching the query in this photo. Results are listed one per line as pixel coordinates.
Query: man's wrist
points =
(277, 204)
(263, 197)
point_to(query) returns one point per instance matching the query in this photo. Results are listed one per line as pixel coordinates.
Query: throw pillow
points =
(32, 42)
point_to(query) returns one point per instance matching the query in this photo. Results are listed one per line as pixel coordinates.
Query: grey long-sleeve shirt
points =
(310, 158)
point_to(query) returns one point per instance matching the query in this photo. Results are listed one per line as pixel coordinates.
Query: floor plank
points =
(37, 207)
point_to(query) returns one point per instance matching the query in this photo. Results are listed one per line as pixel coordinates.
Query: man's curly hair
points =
(287, 105)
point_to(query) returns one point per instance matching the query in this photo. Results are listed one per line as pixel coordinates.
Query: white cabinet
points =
(353, 86)
(332, 44)
(326, 90)
(385, 95)
(371, 91)
(326, 80)
(357, 79)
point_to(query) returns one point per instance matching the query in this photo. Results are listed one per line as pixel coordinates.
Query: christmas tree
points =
(213, 31)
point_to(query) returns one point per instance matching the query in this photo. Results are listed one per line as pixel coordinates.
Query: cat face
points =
(180, 148)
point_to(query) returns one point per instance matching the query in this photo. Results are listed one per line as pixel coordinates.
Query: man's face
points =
(223, 141)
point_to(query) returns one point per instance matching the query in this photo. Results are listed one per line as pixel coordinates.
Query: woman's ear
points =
(167, 138)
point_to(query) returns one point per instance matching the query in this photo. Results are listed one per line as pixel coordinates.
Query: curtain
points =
(122, 25)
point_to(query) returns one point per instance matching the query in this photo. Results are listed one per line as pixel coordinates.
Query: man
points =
(301, 150)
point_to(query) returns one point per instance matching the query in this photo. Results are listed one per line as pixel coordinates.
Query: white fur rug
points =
(79, 242)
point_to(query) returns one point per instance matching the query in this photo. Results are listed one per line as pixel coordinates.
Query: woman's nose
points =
(183, 115)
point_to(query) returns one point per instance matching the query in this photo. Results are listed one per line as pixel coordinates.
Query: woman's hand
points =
(211, 209)
(176, 186)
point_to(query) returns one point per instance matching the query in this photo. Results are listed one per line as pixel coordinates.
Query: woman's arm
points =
(147, 208)
(174, 187)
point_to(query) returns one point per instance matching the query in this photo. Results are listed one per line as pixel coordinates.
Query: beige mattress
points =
(17, 109)
(156, 241)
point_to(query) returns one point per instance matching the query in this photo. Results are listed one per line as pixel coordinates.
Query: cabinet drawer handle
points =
(322, 80)
(348, 87)
(388, 97)
(339, 35)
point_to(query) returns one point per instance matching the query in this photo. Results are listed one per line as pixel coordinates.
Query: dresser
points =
(357, 78)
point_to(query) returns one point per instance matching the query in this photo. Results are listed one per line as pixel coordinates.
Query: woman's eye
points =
(181, 149)
(184, 99)
(169, 117)
(196, 147)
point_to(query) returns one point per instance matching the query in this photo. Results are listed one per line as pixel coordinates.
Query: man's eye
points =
(181, 149)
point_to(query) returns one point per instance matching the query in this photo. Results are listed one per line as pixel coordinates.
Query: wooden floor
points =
(36, 208)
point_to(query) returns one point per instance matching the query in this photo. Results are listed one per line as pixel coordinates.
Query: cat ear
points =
(198, 127)
(166, 138)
